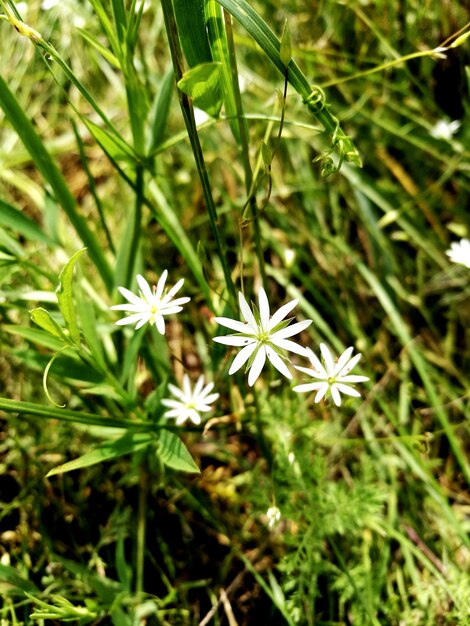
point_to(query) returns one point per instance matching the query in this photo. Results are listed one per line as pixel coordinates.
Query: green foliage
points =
(165, 524)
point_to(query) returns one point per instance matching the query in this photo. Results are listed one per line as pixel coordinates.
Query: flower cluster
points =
(261, 337)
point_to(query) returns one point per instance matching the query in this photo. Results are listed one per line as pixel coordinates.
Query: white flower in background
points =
(274, 515)
(151, 305)
(66, 9)
(189, 402)
(332, 377)
(262, 335)
(200, 116)
(459, 252)
(443, 129)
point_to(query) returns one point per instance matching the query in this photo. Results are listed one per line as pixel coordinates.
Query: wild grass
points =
(100, 150)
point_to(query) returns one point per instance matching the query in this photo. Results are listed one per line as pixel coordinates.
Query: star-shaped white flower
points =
(190, 402)
(459, 252)
(151, 305)
(262, 335)
(332, 377)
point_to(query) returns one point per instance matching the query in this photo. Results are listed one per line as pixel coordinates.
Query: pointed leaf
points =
(44, 319)
(202, 84)
(174, 453)
(127, 444)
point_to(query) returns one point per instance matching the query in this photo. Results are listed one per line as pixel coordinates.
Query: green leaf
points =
(202, 84)
(127, 444)
(220, 49)
(174, 453)
(65, 297)
(11, 583)
(192, 31)
(67, 415)
(44, 319)
(40, 337)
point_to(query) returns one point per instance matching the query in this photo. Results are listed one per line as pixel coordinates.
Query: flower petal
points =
(343, 360)
(173, 291)
(317, 364)
(307, 387)
(287, 344)
(321, 392)
(131, 296)
(335, 394)
(349, 366)
(242, 357)
(311, 372)
(234, 340)
(328, 358)
(187, 388)
(240, 327)
(246, 312)
(263, 309)
(278, 362)
(293, 329)
(174, 404)
(281, 313)
(132, 319)
(199, 386)
(352, 378)
(145, 288)
(132, 308)
(211, 398)
(161, 285)
(160, 323)
(349, 391)
(257, 366)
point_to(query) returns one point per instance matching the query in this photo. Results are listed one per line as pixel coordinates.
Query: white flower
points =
(444, 129)
(332, 377)
(262, 335)
(190, 402)
(152, 305)
(459, 252)
(274, 515)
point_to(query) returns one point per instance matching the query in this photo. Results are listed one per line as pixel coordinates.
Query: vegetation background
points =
(94, 153)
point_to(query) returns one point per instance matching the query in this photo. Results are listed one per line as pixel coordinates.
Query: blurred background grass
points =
(373, 497)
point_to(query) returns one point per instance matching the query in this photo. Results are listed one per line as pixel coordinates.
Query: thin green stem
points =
(245, 151)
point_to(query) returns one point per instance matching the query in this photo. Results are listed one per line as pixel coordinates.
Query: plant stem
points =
(188, 116)
(141, 526)
(243, 129)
